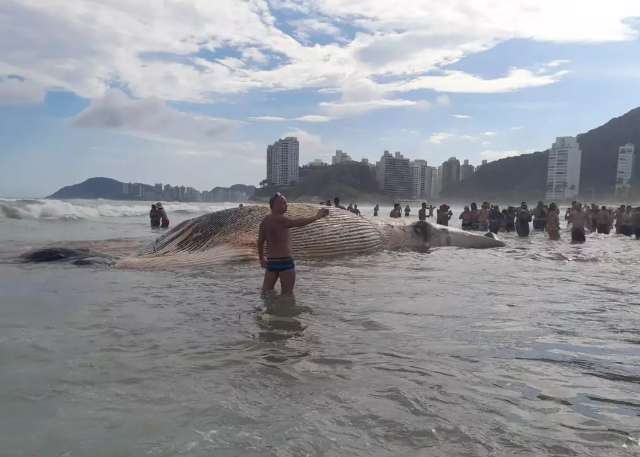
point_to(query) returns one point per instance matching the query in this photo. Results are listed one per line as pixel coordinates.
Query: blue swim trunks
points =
(279, 264)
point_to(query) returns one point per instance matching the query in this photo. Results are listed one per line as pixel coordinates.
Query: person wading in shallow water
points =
(422, 212)
(552, 225)
(444, 214)
(523, 217)
(603, 221)
(396, 211)
(154, 217)
(164, 219)
(274, 231)
(579, 220)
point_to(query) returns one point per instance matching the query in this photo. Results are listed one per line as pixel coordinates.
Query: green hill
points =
(92, 188)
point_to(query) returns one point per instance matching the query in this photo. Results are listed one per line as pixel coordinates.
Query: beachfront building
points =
(340, 157)
(420, 179)
(394, 174)
(283, 161)
(436, 182)
(626, 158)
(450, 174)
(316, 163)
(563, 169)
(466, 170)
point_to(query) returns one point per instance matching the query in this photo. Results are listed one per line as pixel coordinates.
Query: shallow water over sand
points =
(532, 349)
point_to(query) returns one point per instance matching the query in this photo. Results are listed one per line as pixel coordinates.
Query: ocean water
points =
(528, 350)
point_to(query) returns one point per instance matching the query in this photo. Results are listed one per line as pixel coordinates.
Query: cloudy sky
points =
(191, 92)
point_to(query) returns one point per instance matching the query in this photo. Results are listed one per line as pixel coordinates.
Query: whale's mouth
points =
(82, 253)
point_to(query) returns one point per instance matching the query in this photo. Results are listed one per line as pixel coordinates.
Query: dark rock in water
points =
(58, 254)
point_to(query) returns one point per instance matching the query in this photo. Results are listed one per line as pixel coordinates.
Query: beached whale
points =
(231, 234)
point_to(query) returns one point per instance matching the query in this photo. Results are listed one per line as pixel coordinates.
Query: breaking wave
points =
(64, 210)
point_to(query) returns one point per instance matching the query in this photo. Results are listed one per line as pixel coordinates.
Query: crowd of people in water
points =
(489, 217)
(580, 219)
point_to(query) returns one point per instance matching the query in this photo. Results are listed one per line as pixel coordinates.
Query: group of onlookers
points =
(353, 207)
(601, 219)
(625, 219)
(489, 217)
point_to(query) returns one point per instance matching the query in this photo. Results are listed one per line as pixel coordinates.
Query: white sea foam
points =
(63, 210)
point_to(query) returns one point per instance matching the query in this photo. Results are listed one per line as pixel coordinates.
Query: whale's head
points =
(422, 236)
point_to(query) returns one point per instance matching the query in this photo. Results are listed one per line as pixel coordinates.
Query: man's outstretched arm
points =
(302, 221)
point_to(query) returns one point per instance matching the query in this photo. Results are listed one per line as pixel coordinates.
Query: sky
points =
(191, 92)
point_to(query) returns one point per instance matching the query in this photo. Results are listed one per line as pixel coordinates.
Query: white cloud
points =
(312, 146)
(489, 133)
(198, 51)
(442, 137)
(315, 118)
(15, 91)
(254, 55)
(439, 137)
(461, 116)
(543, 20)
(443, 100)
(306, 28)
(556, 63)
(341, 109)
(153, 119)
(269, 118)
(458, 81)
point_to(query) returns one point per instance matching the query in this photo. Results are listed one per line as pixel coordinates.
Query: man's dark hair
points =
(273, 199)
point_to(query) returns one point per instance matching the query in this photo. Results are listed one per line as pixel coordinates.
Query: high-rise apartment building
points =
(340, 157)
(420, 179)
(393, 174)
(436, 182)
(466, 171)
(316, 163)
(563, 169)
(450, 174)
(283, 161)
(626, 159)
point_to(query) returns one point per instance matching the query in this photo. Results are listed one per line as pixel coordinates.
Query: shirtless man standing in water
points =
(274, 230)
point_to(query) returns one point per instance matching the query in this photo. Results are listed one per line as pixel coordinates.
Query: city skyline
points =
(188, 91)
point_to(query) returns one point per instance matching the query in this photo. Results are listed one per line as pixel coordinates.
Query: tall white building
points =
(394, 175)
(626, 158)
(450, 176)
(563, 169)
(436, 182)
(466, 170)
(420, 183)
(340, 157)
(283, 161)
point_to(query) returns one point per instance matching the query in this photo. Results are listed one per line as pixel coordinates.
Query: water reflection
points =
(277, 318)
